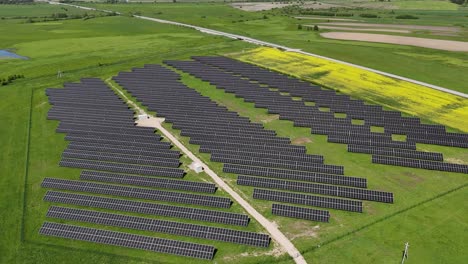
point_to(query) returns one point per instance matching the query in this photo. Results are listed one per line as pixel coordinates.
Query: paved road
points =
(273, 45)
(275, 233)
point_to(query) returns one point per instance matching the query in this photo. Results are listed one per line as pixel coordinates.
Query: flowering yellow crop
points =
(430, 104)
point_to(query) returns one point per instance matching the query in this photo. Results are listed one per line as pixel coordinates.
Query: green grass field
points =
(429, 209)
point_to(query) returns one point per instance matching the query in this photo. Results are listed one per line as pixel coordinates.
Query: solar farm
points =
(119, 159)
(169, 145)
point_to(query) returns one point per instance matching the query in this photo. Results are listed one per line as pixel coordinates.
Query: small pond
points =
(5, 54)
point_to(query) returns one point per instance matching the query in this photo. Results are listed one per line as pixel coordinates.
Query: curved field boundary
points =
(273, 45)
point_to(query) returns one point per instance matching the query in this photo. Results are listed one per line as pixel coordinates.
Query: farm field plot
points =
(282, 28)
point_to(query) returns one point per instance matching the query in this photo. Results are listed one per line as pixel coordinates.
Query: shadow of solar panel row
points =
(414, 154)
(77, 104)
(189, 125)
(134, 192)
(230, 120)
(123, 168)
(331, 190)
(98, 125)
(121, 158)
(147, 208)
(421, 164)
(460, 143)
(300, 213)
(271, 155)
(394, 123)
(233, 131)
(128, 240)
(103, 121)
(111, 103)
(341, 127)
(66, 127)
(66, 109)
(131, 150)
(93, 118)
(214, 122)
(116, 136)
(148, 181)
(354, 134)
(149, 136)
(310, 200)
(235, 136)
(228, 144)
(160, 226)
(122, 142)
(295, 175)
(108, 113)
(285, 164)
(371, 142)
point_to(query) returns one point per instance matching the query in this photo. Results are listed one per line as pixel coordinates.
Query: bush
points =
(299, 27)
(406, 17)
(316, 28)
(368, 15)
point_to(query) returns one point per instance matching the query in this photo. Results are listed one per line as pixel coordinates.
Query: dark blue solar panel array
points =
(274, 91)
(246, 148)
(127, 161)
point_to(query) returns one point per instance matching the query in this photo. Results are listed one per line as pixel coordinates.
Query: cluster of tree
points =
(15, 2)
(406, 17)
(460, 2)
(297, 10)
(368, 15)
(10, 79)
(63, 16)
(316, 28)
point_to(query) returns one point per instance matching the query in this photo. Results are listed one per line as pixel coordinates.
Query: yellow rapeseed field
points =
(429, 104)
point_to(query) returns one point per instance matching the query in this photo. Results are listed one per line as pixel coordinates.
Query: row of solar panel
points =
(147, 208)
(128, 240)
(134, 192)
(160, 226)
(396, 152)
(421, 164)
(346, 192)
(131, 150)
(289, 85)
(148, 181)
(296, 175)
(123, 168)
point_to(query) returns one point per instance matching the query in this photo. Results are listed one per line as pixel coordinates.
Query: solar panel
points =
(421, 164)
(148, 181)
(161, 226)
(304, 199)
(147, 208)
(123, 168)
(128, 240)
(322, 189)
(300, 212)
(134, 192)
